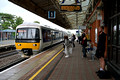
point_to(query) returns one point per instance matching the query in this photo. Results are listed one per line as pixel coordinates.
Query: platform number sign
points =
(51, 14)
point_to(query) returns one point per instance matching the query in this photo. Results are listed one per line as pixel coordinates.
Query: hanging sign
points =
(51, 14)
(71, 8)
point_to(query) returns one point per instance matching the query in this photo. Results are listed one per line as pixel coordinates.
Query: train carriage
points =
(31, 38)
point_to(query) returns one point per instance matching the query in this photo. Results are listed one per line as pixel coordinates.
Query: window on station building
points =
(114, 32)
(119, 57)
(114, 29)
(119, 32)
(118, 3)
(113, 7)
(119, 42)
(96, 33)
(113, 57)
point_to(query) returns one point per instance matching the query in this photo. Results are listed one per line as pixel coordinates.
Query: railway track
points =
(10, 58)
(8, 53)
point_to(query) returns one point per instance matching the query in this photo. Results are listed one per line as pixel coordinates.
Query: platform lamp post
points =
(1, 21)
(1, 27)
(1, 31)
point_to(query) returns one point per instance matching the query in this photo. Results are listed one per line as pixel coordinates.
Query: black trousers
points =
(73, 44)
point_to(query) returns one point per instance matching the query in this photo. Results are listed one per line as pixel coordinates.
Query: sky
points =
(11, 8)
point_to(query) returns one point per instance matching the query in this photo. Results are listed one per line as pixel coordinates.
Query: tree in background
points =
(37, 22)
(10, 21)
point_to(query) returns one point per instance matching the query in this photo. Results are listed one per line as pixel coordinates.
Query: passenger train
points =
(31, 38)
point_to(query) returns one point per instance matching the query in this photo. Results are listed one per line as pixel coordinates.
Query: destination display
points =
(71, 8)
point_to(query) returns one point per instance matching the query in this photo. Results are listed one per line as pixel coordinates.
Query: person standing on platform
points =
(66, 46)
(101, 49)
(73, 39)
(79, 39)
(83, 35)
(84, 45)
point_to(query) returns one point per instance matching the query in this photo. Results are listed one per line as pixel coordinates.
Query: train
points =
(32, 38)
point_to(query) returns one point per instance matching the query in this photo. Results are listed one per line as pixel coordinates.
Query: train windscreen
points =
(27, 33)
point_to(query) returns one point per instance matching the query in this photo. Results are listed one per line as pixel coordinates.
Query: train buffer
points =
(52, 65)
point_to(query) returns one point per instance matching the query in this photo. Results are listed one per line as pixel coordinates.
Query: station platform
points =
(7, 43)
(76, 67)
(52, 65)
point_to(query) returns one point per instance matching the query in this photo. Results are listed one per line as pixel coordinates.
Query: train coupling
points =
(27, 52)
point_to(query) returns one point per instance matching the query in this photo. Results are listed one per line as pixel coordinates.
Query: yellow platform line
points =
(45, 65)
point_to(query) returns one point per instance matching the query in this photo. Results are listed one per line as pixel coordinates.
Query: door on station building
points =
(114, 33)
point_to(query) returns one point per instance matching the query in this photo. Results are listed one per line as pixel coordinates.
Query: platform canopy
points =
(68, 20)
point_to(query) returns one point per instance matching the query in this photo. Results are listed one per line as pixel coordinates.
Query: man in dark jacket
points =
(101, 49)
(73, 39)
(84, 44)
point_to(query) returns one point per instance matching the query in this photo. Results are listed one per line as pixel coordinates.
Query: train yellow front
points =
(31, 38)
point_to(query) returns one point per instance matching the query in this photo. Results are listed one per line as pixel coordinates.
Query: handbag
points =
(82, 42)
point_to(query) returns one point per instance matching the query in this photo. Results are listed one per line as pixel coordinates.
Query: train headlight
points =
(19, 44)
(34, 44)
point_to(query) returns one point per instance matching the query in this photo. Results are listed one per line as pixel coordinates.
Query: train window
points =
(21, 33)
(46, 35)
(53, 35)
(25, 33)
(57, 35)
(31, 33)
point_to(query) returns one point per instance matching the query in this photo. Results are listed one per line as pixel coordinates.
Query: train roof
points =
(29, 24)
(25, 24)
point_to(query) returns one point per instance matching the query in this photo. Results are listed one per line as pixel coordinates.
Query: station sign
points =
(51, 14)
(71, 8)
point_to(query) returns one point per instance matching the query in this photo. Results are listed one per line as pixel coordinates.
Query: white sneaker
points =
(66, 56)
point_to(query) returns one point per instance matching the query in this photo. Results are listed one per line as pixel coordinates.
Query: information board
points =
(71, 8)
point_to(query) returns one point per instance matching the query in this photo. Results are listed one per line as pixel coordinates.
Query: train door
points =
(46, 35)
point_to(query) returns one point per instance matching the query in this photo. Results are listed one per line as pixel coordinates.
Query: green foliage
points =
(37, 22)
(10, 21)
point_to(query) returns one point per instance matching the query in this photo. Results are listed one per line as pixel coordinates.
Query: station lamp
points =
(1, 21)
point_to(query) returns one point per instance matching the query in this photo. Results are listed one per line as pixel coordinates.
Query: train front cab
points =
(28, 40)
